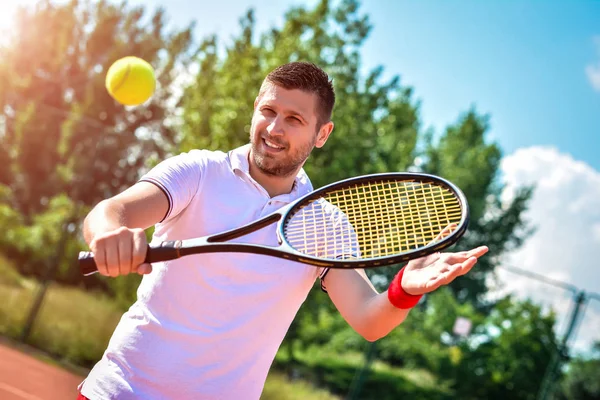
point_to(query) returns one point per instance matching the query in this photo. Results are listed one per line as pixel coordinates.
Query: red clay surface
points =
(25, 377)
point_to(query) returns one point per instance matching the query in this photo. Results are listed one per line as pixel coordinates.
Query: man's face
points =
(284, 130)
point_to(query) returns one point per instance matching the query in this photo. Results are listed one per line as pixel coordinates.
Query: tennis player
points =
(208, 326)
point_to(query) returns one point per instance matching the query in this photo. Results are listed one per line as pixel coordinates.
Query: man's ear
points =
(323, 134)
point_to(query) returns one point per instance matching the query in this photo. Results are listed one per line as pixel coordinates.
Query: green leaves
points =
(462, 155)
(375, 123)
(582, 379)
(512, 354)
(56, 111)
(61, 135)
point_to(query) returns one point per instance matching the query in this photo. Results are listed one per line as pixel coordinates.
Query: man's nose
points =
(275, 128)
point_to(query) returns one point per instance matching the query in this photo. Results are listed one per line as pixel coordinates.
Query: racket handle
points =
(162, 252)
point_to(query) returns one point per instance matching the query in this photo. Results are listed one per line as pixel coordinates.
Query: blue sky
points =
(521, 62)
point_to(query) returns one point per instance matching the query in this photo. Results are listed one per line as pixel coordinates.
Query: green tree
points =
(462, 155)
(505, 355)
(508, 353)
(61, 135)
(375, 123)
(424, 340)
(582, 379)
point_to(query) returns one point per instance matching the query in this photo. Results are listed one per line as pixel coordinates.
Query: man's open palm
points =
(426, 274)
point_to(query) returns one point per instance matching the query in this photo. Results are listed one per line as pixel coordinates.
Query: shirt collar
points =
(239, 158)
(239, 161)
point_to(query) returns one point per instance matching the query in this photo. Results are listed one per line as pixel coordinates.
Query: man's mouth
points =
(272, 145)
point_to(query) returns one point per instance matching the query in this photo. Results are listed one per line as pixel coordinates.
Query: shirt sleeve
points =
(178, 177)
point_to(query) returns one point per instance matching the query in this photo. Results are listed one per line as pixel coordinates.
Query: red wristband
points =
(398, 297)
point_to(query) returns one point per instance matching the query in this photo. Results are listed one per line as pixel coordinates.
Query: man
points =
(208, 326)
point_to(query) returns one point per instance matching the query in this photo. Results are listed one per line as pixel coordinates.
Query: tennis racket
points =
(362, 222)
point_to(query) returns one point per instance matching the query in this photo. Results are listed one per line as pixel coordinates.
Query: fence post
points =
(51, 269)
(549, 381)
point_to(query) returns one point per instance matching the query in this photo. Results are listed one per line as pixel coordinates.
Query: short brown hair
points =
(309, 78)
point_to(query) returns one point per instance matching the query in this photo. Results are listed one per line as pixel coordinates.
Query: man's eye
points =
(268, 111)
(294, 119)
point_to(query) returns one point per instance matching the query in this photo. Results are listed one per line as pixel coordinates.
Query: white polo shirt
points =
(206, 326)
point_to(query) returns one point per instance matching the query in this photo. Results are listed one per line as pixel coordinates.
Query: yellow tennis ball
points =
(130, 81)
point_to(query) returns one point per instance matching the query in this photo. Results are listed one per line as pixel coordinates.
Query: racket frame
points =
(219, 243)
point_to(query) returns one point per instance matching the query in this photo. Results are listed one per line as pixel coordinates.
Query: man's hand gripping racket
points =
(363, 222)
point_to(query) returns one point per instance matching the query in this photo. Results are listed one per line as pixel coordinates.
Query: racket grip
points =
(87, 264)
(164, 251)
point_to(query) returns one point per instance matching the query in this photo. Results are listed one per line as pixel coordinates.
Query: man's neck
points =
(274, 185)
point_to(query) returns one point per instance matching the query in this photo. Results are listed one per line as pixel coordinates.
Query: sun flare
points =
(8, 9)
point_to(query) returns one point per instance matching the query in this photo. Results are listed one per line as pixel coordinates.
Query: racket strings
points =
(374, 219)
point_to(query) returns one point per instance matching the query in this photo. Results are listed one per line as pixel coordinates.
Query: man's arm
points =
(114, 229)
(373, 314)
(370, 314)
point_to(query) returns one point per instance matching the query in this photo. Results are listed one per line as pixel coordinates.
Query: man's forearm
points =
(380, 317)
(369, 313)
(105, 217)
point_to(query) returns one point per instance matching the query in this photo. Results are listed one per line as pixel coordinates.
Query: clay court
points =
(23, 376)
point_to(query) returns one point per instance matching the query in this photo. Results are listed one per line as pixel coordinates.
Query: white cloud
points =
(596, 233)
(565, 209)
(593, 70)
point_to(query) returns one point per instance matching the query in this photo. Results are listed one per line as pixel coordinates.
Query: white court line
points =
(18, 392)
